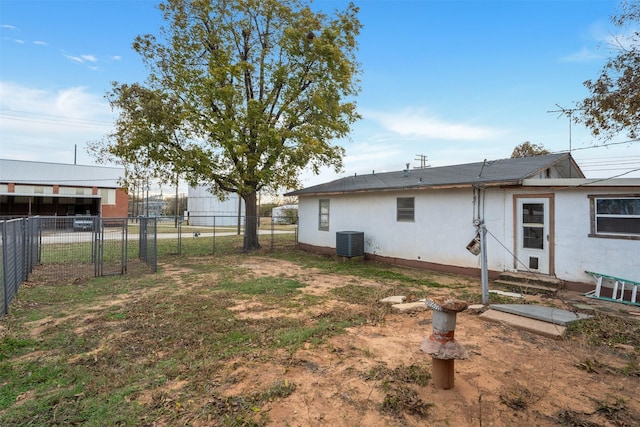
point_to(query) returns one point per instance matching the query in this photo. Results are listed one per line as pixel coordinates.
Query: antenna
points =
(569, 113)
(423, 161)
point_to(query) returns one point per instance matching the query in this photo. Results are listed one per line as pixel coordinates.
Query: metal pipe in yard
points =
(441, 345)
(484, 271)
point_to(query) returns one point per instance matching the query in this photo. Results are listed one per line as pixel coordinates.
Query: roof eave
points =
(483, 184)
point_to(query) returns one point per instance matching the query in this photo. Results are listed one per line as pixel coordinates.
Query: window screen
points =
(405, 209)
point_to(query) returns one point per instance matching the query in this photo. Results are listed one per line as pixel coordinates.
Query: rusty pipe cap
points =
(446, 304)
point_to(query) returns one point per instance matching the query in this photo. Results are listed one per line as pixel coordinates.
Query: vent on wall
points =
(350, 243)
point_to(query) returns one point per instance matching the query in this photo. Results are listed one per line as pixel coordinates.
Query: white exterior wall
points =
(443, 227)
(577, 252)
(375, 214)
(202, 207)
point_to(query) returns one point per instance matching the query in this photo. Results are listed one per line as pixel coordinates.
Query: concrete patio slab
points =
(553, 315)
(531, 325)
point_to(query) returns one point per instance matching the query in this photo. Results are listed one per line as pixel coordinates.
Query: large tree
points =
(241, 95)
(614, 104)
(527, 149)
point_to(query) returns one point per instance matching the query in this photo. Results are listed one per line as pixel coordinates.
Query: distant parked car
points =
(83, 224)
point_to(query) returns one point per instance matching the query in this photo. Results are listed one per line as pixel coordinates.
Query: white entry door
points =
(533, 235)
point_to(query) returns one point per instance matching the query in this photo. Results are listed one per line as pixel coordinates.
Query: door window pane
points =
(533, 213)
(533, 237)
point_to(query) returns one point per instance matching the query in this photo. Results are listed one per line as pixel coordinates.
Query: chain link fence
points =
(217, 235)
(18, 255)
(58, 250)
(67, 249)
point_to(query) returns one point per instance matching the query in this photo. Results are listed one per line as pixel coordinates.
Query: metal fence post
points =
(180, 238)
(5, 303)
(214, 235)
(272, 232)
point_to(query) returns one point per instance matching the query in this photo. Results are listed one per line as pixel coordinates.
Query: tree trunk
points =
(251, 222)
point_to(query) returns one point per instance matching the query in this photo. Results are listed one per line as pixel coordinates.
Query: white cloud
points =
(611, 37)
(41, 43)
(116, 58)
(47, 124)
(82, 58)
(19, 41)
(77, 59)
(8, 27)
(583, 55)
(69, 104)
(418, 123)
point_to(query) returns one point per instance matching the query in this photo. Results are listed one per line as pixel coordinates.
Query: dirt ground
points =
(511, 377)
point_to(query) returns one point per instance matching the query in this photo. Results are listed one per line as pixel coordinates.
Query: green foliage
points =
(527, 149)
(612, 107)
(242, 95)
(266, 208)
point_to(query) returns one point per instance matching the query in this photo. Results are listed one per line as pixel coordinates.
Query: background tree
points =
(242, 95)
(527, 149)
(614, 104)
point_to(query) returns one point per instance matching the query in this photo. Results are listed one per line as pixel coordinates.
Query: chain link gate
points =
(111, 239)
(67, 249)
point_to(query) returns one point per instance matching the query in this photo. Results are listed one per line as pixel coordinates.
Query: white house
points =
(540, 212)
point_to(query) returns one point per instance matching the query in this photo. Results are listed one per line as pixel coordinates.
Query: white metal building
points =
(203, 208)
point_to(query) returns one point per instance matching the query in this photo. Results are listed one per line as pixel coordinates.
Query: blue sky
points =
(457, 81)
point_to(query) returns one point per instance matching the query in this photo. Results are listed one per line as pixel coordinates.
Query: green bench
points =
(618, 285)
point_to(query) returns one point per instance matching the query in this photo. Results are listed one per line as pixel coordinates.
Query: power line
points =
(631, 141)
(47, 118)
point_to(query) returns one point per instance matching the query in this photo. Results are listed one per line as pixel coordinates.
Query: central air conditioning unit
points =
(350, 243)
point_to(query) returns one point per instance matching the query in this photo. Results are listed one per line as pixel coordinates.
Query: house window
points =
(323, 215)
(405, 209)
(615, 216)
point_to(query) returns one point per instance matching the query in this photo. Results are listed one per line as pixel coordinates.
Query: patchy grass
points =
(412, 374)
(605, 330)
(99, 345)
(271, 286)
(185, 346)
(517, 397)
(400, 399)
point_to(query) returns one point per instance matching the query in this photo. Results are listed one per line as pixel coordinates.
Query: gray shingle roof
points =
(489, 173)
(26, 172)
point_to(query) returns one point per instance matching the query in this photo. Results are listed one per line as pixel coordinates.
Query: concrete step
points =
(526, 288)
(536, 279)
